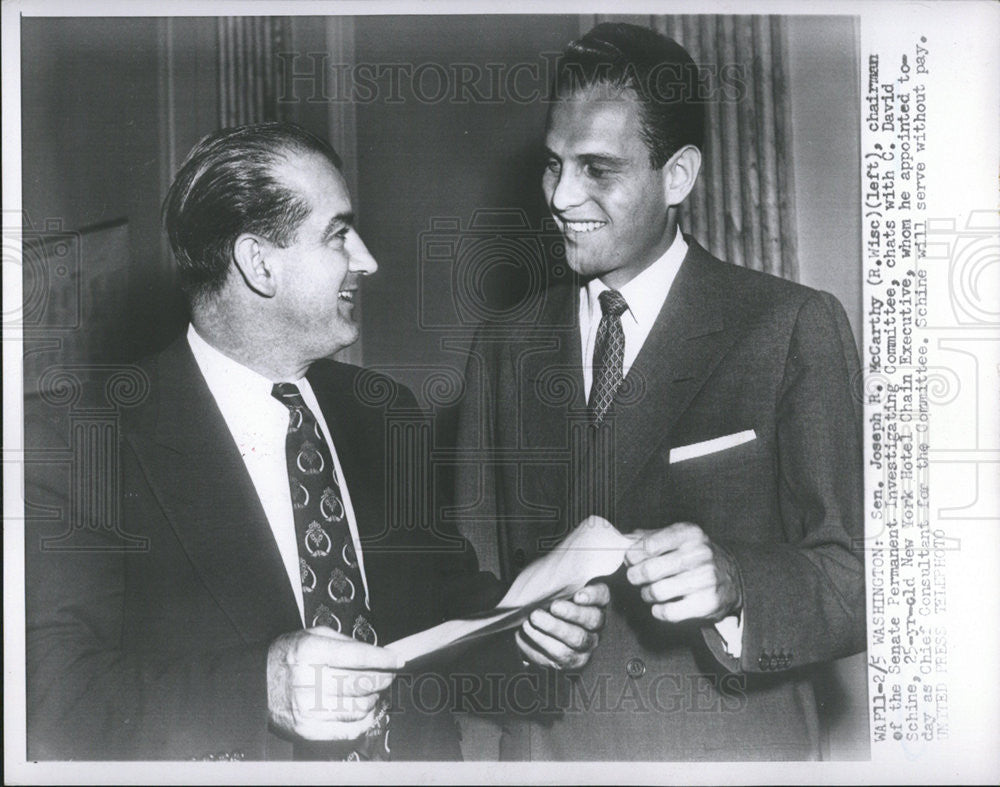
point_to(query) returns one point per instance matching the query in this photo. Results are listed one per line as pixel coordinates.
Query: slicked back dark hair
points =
(618, 57)
(227, 187)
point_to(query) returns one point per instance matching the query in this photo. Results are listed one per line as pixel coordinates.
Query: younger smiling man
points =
(748, 570)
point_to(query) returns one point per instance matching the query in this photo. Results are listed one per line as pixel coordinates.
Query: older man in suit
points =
(703, 407)
(230, 596)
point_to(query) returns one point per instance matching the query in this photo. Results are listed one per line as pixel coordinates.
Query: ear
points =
(680, 173)
(249, 256)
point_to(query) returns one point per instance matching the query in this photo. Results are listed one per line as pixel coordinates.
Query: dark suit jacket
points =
(732, 350)
(148, 638)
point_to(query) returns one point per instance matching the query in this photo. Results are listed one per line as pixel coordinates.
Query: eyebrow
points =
(598, 158)
(337, 223)
(594, 158)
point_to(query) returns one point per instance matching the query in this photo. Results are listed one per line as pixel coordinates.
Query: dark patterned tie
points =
(333, 592)
(609, 354)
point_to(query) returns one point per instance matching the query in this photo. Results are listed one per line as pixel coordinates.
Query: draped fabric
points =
(248, 84)
(742, 208)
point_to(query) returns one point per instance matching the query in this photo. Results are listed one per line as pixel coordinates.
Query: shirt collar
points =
(646, 292)
(224, 375)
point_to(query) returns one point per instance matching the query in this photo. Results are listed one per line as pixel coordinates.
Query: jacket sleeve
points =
(478, 505)
(475, 507)
(804, 598)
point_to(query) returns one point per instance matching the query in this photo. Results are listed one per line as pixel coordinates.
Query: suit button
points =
(762, 661)
(635, 668)
(520, 559)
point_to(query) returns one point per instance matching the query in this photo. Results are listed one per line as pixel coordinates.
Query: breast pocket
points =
(720, 481)
(715, 445)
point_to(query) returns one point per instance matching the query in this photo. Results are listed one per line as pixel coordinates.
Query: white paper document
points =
(593, 549)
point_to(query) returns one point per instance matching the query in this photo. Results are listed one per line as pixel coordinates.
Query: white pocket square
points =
(682, 452)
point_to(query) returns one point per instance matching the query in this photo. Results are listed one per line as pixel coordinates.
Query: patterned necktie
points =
(333, 592)
(609, 354)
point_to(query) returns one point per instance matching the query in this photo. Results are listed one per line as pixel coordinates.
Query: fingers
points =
(564, 635)
(316, 702)
(558, 639)
(598, 594)
(701, 604)
(682, 575)
(568, 635)
(325, 686)
(330, 682)
(590, 618)
(326, 729)
(329, 633)
(531, 653)
(548, 651)
(322, 645)
(656, 542)
(679, 585)
(690, 555)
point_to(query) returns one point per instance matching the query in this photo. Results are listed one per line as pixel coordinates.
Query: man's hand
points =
(566, 634)
(323, 686)
(683, 575)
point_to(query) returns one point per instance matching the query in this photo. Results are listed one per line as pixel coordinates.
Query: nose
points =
(567, 191)
(361, 261)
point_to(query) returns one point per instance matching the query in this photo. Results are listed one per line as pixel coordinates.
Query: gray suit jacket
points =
(732, 350)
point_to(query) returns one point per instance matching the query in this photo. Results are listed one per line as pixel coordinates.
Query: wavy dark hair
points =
(655, 69)
(225, 187)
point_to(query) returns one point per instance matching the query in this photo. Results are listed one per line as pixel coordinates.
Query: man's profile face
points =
(317, 274)
(607, 199)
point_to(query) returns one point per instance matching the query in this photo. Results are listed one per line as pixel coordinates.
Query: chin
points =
(587, 269)
(347, 337)
(577, 263)
(333, 349)
(587, 262)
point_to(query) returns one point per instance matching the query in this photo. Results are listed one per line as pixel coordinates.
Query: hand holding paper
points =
(594, 549)
(564, 635)
(683, 575)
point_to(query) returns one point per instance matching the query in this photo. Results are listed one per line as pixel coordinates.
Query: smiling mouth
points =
(346, 295)
(582, 227)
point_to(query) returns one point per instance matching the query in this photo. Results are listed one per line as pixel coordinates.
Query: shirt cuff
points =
(731, 631)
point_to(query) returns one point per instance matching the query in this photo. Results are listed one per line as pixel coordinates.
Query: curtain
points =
(248, 84)
(742, 208)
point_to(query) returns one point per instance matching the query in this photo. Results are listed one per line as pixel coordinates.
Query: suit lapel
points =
(690, 336)
(549, 375)
(359, 435)
(358, 450)
(193, 465)
(687, 341)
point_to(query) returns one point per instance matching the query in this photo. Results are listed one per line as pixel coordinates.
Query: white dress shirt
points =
(645, 295)
(259, 423)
